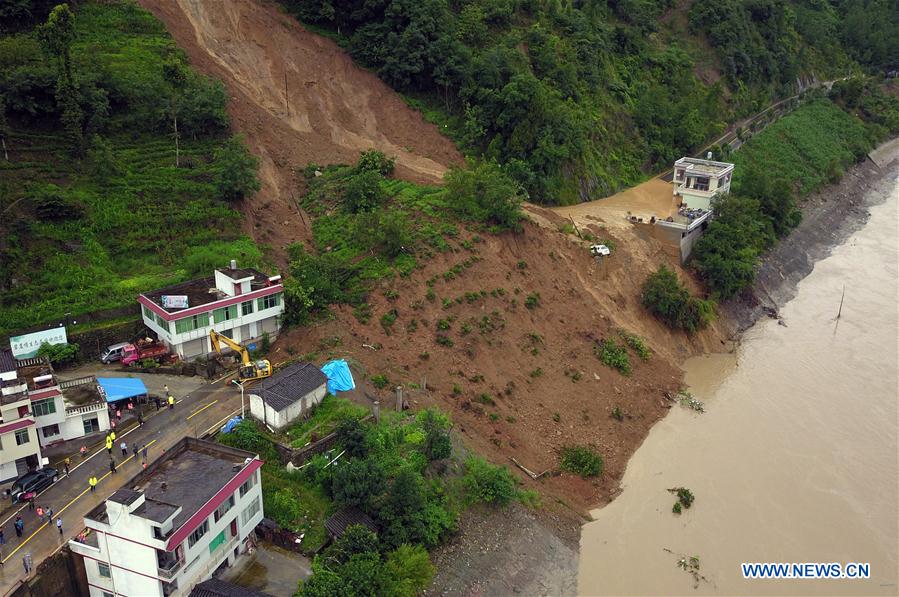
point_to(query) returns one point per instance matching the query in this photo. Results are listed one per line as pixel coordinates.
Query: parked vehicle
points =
(33, 482)
(146, 348)
(113, 352)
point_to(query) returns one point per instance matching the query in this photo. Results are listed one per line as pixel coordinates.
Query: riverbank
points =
(829, 217)
(794, 459)
(519, 551)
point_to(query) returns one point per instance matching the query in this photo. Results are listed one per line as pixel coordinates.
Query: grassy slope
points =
(806, 147)
(146, 222)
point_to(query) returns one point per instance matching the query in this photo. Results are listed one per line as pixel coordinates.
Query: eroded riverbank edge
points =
(536, 552)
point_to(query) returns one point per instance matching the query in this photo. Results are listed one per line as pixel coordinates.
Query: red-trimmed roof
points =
(209, 507)
(275, 288)
(16, 425)
(44, 394)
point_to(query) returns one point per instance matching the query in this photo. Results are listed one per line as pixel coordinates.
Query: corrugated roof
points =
(219, 588)
(346, 517)
(290, 384)
(7, 361)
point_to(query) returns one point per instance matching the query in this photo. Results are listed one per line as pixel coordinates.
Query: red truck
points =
(133, 354)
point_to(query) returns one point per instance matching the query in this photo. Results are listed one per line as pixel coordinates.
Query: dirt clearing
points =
(298, 98)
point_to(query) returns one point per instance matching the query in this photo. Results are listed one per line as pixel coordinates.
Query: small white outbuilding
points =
(287, 394)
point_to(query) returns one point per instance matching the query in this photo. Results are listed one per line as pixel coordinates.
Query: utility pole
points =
(286, 94)
(240, 385)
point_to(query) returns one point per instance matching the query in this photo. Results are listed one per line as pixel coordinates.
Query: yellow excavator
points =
(249, 370)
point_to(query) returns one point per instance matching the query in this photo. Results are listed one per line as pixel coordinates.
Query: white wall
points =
(280, 419)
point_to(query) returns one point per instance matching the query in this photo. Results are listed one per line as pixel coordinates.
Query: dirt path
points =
(298, 98)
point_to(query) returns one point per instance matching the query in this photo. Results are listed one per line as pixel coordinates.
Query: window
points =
(223, 509)
(246, 307)
(225, 313)
(148, 313)
(249, 512)
(247, 486)
(43, 407)
(107, 594)
(50, 430)
(189, 324)
(702, 184)
(198, 533)
(103, 568)
(267, 302)
(22, 437)
(91, 425)
(216, 542)
(162, 323)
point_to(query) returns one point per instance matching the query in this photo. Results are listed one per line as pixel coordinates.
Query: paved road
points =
(70, 498)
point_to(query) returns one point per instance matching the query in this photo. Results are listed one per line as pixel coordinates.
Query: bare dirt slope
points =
(267, 60)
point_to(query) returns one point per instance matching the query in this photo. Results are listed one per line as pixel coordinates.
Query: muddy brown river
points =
(795, 458)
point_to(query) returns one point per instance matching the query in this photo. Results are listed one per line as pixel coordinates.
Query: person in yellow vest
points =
(109, 444)
(112, 435)
(93, 483)
(171, 402)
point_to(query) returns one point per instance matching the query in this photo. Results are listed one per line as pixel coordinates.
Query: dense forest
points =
(118, 166)
(582, 98)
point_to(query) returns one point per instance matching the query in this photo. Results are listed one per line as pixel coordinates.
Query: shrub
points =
(375, 161)
(637, 344)
(443, 340)
(532, 301)
(669, 300)
(380, 381)
(617, 414)
(387, 320)
(409, 569)
(582, 461)
(485, 482)
(613, 355)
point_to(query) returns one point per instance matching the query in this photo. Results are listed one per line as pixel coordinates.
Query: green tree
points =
(363, 192)
(437, 443)
(56, 36)
(58, 354)
(356, 539)
(235, 170)
(484, 193)
(352, 436)
(375, 161)
(669, 300)
(358, 482)
(175, 76)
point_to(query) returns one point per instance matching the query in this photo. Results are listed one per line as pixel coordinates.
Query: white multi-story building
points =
(241, 303)
(698, 182)
(20, 450)
(174, 523)
(34, 413)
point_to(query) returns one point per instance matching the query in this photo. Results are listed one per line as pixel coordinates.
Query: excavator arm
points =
(217, 338)
(249, 370)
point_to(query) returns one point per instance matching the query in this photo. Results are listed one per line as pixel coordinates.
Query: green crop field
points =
(89, 229)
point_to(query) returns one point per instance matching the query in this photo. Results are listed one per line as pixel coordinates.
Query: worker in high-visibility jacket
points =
(109, 444)
(171, 402)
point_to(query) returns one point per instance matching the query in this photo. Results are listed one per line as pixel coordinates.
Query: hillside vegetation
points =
(581, 99)
(97, 204)
(798, 154)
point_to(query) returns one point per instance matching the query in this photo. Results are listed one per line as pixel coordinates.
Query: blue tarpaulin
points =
(339, 377)
(227, 427)
(121, 388)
